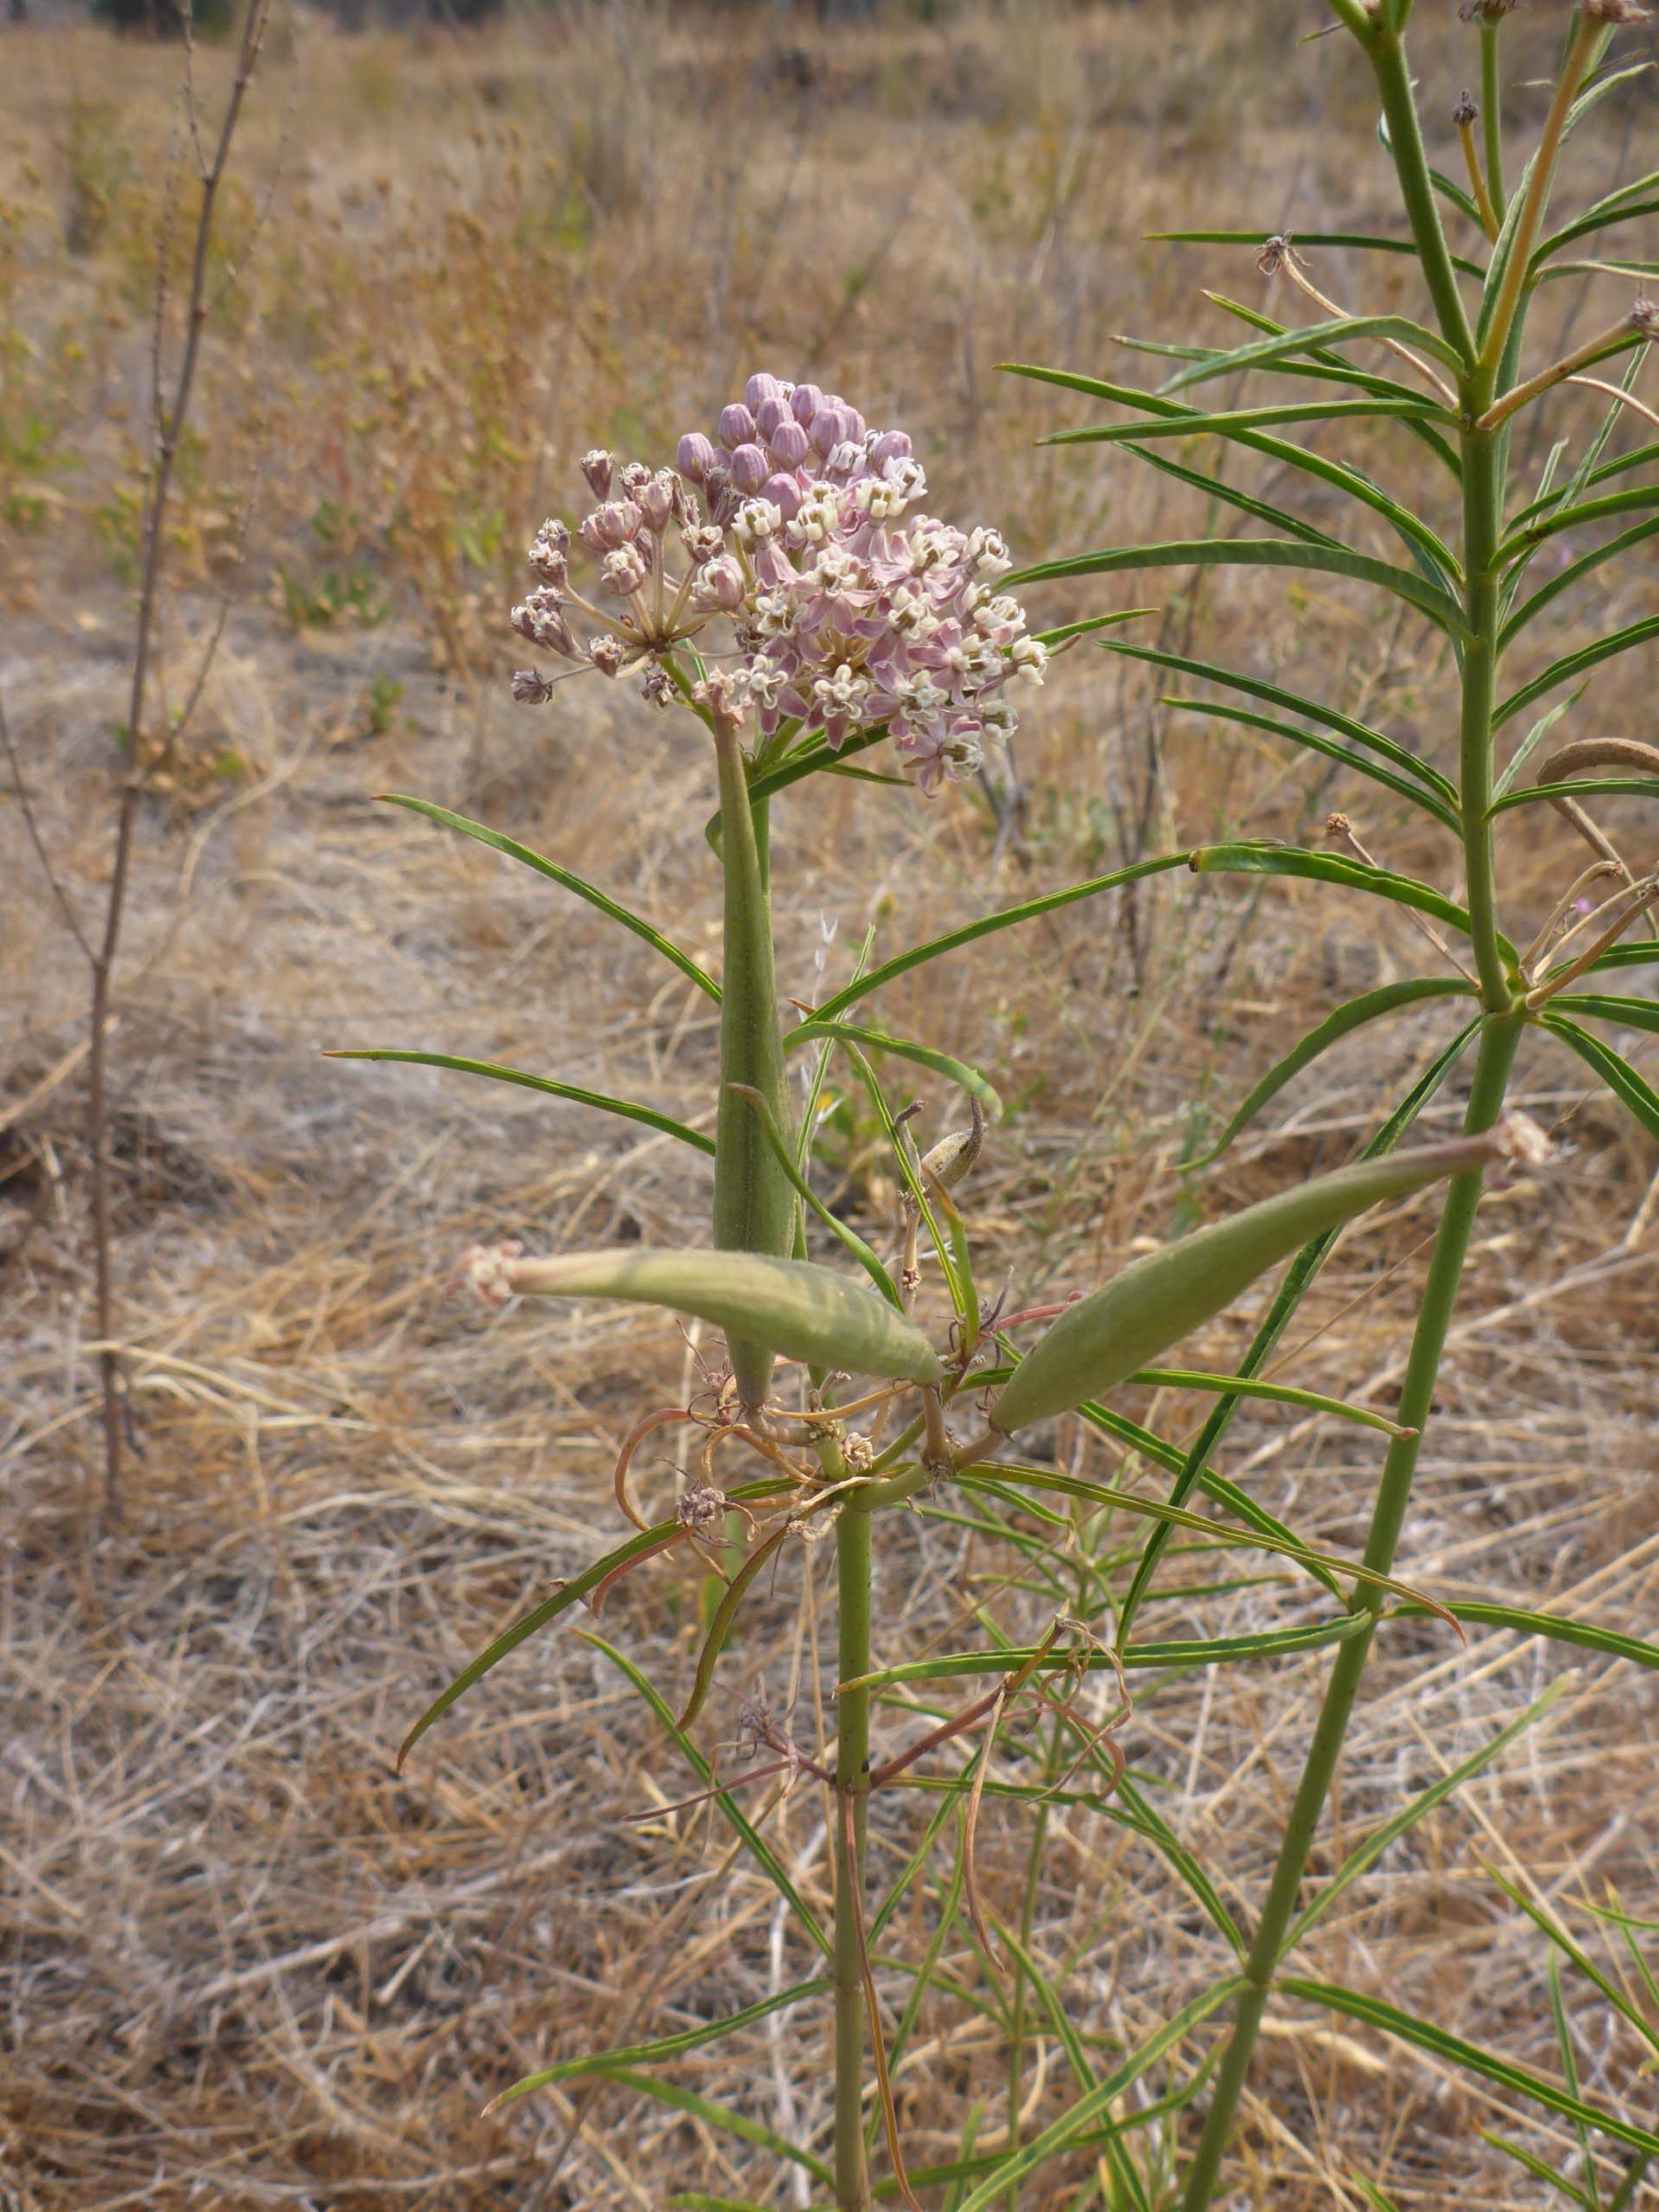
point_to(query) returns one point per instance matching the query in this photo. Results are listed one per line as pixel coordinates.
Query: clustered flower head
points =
(851, 609)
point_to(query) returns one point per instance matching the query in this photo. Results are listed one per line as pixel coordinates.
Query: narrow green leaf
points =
(1264, 859)
(1405, 786)
(1628, 203)
(905, 1048)
(567, 1594)
(1635, 499)
(720, 1627)
(848, 1237)
(970, 932)
(1527, 520)
(1575, 663)
(1342, 330)
(1360, 241)
(1010, 2172)
(1232, 495)
(753, 1841)
(566, 879)
(1574, 573)
(1367, 1853)
(1476, 1612)
(1583, 787)
(795, 1308)
(1257, 553)
(1357, 733)
(1179, 1652)
(1630, 1014)
(963, 1294)
(1301, 1274)
(1539, 2168)
(1371, 1005)
(1632, 1090)
(1063, 633)
(674, 2046)
(1129, 1807)
(627, 1108)
(1534, 738)
(1280, 1394)
(722, 2117)
(1438, 2043)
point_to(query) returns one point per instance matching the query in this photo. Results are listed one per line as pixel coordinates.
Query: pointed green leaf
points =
(795, 1308)
(1157, 1300)
(1574, 572)
(672, 2046)
(1404, 786)
(1331, 868)
(970, 932)
(1534, 738)
(1010, 2172)
(905, 1048)
(566, 879)
(1279, 1394)
(1232, 495)
(1063, 633)
(1177, 1652)
(1555, 1628)
(1367, 1853)
(847, 1236)
(1276, 695)
(1369, 1007)
(1574, 663)
(1632, 1090)
(1256, 553)
(1630, 1014)
(1580, 515)
(1583, 787)
(567, 1594)
(625, 1107)
(1360, 241)
(1388, 2020)
(1342, 330)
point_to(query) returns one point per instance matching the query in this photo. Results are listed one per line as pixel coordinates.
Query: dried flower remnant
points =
(852, 610)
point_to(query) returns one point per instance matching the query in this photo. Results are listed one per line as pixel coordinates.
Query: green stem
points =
(1387, 57)
(1586, 38)
(853, 1532)
(1492, 1067)
(754, 1204)
(1485, 455)
(1492, 112)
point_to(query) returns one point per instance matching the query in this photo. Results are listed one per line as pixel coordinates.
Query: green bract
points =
(791, 1306)
(1157, 1301)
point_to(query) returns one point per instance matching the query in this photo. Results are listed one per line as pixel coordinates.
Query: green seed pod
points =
(790, 1307)
(1156, 1300)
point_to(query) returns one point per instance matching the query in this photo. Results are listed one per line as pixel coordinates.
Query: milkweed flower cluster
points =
(851, 609)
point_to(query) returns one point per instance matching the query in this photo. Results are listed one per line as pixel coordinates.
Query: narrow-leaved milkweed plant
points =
(784, 584)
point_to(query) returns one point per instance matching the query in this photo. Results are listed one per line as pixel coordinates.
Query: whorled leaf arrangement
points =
(851, 619)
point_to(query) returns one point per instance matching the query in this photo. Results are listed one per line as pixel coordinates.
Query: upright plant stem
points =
(754, 1205)
(853, 1532)
(1492, 112)
(1485, 458)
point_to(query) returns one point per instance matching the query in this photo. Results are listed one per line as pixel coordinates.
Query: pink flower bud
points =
(608, 656)
(614, 523)
(736, 425)
(719, 584)
(624, 571)
(695, 455)
(770, 415)
(892, 445)
(789, 444)
(541, 622)
(750, 467)
(549, 562)
(805, 402)
(634, 478)
(784, 494)
(657, 500)
(829, 427)
(596, 466)
(761, 387)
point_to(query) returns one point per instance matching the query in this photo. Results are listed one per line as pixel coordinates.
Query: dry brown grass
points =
(246, 1964)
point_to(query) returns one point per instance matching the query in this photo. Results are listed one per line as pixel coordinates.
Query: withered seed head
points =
(1464, 110)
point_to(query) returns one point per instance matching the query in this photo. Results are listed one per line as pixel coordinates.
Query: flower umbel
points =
(851, 609)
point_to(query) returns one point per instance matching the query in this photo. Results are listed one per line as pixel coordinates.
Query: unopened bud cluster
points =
(852, 610)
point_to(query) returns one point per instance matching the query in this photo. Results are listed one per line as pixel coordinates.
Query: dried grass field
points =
(245, 1964)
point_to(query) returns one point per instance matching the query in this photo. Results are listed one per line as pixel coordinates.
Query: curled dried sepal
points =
(797, 1309)
(1155, 1301)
